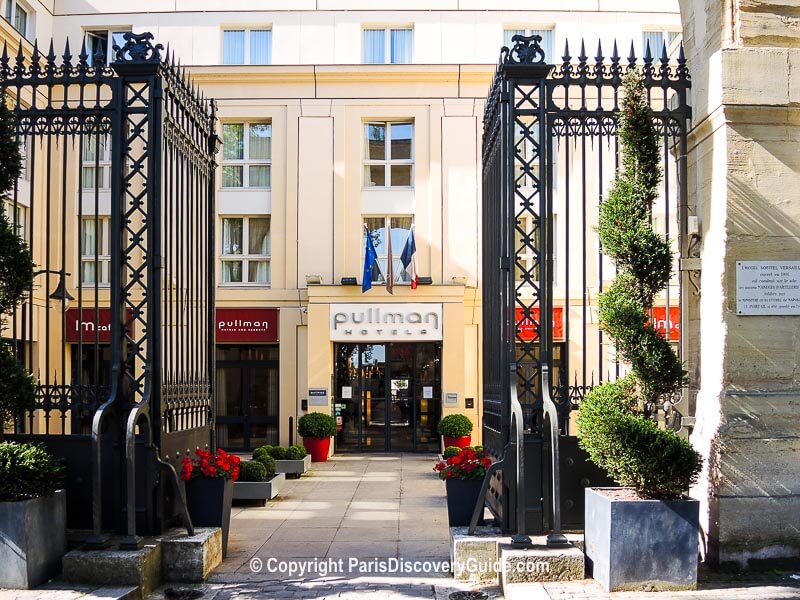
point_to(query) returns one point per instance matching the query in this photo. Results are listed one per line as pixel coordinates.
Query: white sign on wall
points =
(767, 287)
(386, 322)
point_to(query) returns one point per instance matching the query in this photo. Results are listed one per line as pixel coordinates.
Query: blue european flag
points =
(370, 260)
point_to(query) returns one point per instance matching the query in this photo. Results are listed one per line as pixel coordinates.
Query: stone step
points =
(539, 564)
(175, 556)
(58, 588)
(478, 558)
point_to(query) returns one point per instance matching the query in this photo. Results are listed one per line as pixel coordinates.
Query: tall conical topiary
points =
(616, 423)
(17, 385)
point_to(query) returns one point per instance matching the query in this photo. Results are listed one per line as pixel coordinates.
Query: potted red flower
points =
(463, 475)
(209, 481)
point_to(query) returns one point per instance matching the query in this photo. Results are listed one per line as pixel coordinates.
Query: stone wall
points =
(744, 174)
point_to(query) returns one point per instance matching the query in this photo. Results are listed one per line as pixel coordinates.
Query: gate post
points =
(135, 255)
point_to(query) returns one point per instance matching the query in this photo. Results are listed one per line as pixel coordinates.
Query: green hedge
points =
(262, 455)
(27, 471)
(296, 452)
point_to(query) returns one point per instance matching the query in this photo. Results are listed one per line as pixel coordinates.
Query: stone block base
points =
(474, 557)
(138, 568)
(191, 559)
(538, 564)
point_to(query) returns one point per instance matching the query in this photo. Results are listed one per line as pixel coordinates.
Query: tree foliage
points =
(615, 424)
(17, 386)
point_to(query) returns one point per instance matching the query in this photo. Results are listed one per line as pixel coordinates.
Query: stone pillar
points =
(744, 186)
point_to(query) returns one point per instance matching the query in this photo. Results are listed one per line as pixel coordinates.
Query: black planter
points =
(462, 496)
(209, 501)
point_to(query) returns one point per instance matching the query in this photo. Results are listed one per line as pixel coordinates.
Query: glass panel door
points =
(373, 396)
(401, 423)
(428, 396)
(347, 396)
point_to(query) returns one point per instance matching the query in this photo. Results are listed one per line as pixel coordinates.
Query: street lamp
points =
(61, 292)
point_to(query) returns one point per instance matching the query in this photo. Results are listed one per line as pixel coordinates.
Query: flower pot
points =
(209, 501)
(461, 442)
(33, 538)
(634, 544)
(293, 468)
(318, 448)
(462, 496)
(259, 490)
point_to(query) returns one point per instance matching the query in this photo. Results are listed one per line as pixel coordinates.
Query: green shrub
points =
(316, 425)
(277, 453)
(269, 464)
(27, 471)
(616, 423)
(454, 426)
(451, 451)
(252, 470)
(262, 451)
(296, 452)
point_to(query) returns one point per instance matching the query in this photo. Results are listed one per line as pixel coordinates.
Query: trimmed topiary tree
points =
(454, 426)
(17, 385)
(278, 453)
(252, 470)
(267, 461)
(616, 423)
(296, 452)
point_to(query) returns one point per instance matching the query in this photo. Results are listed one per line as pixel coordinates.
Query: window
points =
(546, 44)
(17, 217)
(657, 38)
(94, 249)
(247, 47)
(389, 154)
(388, 45)
(246, 246)
(18, 15)
(378, 229)
(96, 162)
(100, 46)
(246, 155)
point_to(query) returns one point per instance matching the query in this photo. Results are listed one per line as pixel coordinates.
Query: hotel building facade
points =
(337, 119)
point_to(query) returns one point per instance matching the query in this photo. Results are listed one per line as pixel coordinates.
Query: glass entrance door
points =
(388, 396)
(247, 396)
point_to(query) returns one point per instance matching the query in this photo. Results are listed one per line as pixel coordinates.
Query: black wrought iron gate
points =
(549, 155)
(117, 205)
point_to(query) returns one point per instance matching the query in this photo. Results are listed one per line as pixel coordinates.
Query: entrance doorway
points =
(247, 396)
(388, 396)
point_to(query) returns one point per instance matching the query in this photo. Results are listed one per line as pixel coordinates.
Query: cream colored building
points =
(333, 116)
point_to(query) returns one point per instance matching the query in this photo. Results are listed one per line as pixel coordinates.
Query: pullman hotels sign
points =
(247, 325)
(386, 322)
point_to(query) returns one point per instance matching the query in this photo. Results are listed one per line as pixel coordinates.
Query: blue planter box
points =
(637, 544)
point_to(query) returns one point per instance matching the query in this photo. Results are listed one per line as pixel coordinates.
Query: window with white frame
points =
(388, 154)
(94, 250)
(247, 46)
(96, 162)
(388, 45)
(19, 15)
(246, 250)
(656, 38)
(546, 43)
(17, 216)
(100, 45)
(246, 155)
(379, 228)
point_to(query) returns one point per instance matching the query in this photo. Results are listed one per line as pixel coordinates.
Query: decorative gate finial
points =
(138, 48)
(527, 50)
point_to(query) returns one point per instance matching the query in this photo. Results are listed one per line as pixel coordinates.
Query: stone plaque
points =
(767, 287)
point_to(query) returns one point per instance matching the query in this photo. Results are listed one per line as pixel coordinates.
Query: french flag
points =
(407, 258)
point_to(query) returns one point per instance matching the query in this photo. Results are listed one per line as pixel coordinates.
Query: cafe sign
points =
(414, 321)
(89, 325)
